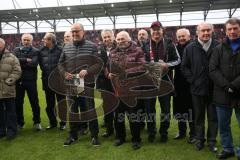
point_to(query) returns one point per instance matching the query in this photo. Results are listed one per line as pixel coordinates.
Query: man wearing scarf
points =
(161, 50)
(28, 58)
(194, 65)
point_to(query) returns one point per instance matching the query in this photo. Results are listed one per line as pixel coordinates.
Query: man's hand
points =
(111, 75)
(68, 76)
(83, 73)
(29, 60)
(230, 90)
(163, 65)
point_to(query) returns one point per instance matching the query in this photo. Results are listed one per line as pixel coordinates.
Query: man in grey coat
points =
(70, 68)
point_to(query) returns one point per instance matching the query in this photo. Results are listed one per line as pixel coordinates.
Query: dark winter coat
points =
(224, 70)
(194, 66)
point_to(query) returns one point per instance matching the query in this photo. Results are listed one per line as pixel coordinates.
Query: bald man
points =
(181, 103)
(131, 54)
(67, 37)
(194, 66)
(142, 35)
(80, 46)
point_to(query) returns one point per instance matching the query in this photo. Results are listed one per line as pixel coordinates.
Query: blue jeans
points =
(224, 121)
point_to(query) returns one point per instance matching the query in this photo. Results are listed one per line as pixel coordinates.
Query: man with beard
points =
(67, 38)
(182, 105)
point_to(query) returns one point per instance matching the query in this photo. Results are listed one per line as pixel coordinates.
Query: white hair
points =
(204, 23)
(107, 31)
(183, 30)
(27, 35)
(126, 34)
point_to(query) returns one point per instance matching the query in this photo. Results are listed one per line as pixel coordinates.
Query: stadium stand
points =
(13, 40)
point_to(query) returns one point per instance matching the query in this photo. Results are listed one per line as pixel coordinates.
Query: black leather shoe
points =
(106, 134)
(213, 148)
(199, 146)
(225, 154)
(136, 145)
(164, 139)
(118, 142)
(179, 136)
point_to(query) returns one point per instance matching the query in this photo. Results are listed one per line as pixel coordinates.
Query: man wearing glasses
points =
(72, 51)
(48, 60)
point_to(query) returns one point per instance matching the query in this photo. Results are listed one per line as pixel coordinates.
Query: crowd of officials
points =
(203, 69)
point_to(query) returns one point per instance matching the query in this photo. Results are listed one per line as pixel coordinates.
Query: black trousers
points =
(108, 118)
(84, 104)
(31, 88)
(8, 119)
(183, 113)
(134, 121)
(51, 98)
(201, 104)
(165, 115)
(141, 103)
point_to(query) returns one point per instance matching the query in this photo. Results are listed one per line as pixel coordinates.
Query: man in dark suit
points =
(195, 63)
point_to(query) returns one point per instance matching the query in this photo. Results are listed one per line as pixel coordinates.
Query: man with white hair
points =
(108, 44)
(10, 72)
(182, 106)
(195, 68)
(28, 57)
(125, 54)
